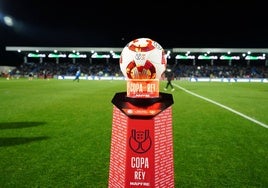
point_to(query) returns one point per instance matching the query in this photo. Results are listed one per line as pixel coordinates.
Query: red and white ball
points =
(143, 58)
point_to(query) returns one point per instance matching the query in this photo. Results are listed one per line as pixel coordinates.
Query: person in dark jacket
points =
(170, 76)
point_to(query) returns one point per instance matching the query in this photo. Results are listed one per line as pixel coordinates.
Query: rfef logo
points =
(140, 141)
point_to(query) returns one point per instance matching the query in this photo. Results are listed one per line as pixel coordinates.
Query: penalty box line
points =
(223, 106)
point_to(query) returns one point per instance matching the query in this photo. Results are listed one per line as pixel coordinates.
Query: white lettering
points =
(147, 184)
(139, 162)
(151, 88)
(135, 87)
(139, 175)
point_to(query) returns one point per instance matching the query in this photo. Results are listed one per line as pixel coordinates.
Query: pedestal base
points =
(141, 150)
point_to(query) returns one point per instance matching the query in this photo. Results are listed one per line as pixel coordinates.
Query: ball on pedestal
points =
(143, 58)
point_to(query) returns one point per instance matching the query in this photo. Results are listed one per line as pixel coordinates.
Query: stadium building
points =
(196, 64)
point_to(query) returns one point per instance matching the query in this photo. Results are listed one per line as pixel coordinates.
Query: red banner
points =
(140, 153)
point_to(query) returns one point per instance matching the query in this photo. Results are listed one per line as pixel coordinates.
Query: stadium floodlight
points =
(116, 56)
(251, 57)
(226, 57)
(184, 57)
(96, 55)
(53, 55)
(77, 55)
(206, 57)
(36, 55)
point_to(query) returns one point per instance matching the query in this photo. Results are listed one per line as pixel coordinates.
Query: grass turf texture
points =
(57, 133)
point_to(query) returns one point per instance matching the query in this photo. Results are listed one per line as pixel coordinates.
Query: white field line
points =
(223, 106)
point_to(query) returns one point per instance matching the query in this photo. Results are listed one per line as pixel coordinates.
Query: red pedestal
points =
(142, 142)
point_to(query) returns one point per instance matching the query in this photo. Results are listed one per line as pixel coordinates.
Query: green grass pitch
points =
(57, 133)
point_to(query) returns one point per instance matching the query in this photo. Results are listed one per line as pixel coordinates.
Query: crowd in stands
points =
(51, 69)
(181, 69)
(222, 71)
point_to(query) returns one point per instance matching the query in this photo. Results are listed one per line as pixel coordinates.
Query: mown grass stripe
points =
(223, 106)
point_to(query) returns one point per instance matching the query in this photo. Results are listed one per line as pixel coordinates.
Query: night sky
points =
(78, 23)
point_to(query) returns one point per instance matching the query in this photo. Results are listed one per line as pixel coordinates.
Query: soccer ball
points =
(143, 58)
